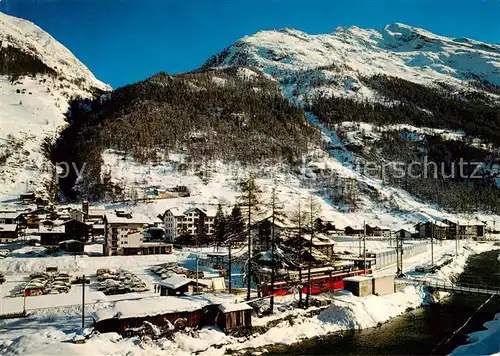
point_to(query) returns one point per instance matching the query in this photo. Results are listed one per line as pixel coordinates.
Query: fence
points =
(389, 257)
(458, 288)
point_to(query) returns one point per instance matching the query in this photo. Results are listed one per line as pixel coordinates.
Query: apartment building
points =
(179, 221)
(122, 230)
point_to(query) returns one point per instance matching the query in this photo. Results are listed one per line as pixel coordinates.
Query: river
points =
(418, 332)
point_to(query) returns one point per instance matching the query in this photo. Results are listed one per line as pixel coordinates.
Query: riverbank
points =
(487, 341)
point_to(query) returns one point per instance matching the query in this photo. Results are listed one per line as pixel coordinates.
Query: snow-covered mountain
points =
(425, 77)
(340, 58)
(35, 96)
(33, 40)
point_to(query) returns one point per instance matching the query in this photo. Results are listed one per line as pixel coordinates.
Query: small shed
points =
(233, 317)
(360, 286)
(383, 285)
(179, 285)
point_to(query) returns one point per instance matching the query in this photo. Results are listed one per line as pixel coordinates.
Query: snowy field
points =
(54, 320)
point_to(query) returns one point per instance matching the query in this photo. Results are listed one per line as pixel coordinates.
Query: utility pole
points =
(196, 274)
(359, 245)
(300, 286)
(273, 261)
(432, 243)
(229, 267)
(364, 245)
(83, 302)
(310, 254)
(249, 279)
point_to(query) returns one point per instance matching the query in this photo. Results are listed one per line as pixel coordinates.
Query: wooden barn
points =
(164, 312)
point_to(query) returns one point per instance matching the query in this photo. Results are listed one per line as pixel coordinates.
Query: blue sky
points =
(123, 41)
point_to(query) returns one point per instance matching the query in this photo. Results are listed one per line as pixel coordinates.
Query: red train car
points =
(319, 283)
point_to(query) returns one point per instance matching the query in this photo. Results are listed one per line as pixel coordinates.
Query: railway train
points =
(322, 280)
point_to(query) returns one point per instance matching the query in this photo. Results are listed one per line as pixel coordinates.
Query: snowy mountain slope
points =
(32, 107)
(32, 39)
(340, 58)
(338, 64)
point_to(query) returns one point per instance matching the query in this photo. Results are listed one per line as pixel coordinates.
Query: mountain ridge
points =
(397, 49)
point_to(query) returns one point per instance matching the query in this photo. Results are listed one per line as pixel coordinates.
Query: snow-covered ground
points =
(49, 330)
(395, 208)
(32, 108)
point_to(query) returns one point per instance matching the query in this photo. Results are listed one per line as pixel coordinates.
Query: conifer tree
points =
(235, 222)
(220, 226)
(250, 200)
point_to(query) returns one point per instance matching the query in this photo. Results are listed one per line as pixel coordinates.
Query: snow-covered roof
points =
(97, 212)
(441, 224)
(11, 215)
(355, 227)
(51, 230)
(464, 222)
(113, 218)
(358, 278)
(8, 227)
(70, 242)
(176, 281)
(231, 307)
(176, 211)
(323, 241)
(159, 305)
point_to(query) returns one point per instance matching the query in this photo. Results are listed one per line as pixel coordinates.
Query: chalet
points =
(165, 312)
(28, 197)
(403, 234)
(382, 231)
(325, 226)
(33, 218)
(438, 229)
(321, 243)
(8, 233)
(315, 256)
(465, 229)
(10, 217)
(354, 230)
(77, 230)
(51, 237)
(262, 234)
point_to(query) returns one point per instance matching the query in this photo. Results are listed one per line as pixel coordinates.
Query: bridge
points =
(455, 288)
